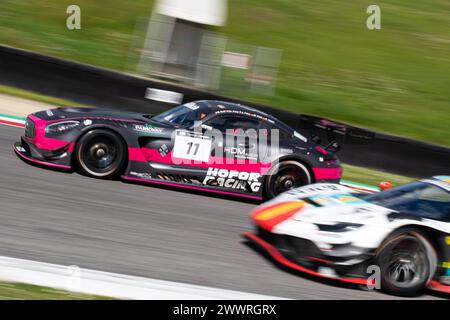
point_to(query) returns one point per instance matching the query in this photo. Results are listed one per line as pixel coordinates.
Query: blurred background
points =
(315, 57)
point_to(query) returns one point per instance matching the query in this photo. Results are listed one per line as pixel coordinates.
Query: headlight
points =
(60, 127)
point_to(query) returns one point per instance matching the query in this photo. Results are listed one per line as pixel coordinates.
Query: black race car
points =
(215, 146)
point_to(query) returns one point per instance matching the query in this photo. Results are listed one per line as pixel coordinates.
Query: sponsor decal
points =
(163, 150)
(241, 153)
(49, 113)
(87, 122)
(361, 213)
(447, 266)
(323, 201)
(314, 189)
(286, 151)
(227, 149)
(144, 175)
(348, 198)
(447, 240)
(336, 200)
(233, 179)
(20, 149)
(246, 113)
(147, 128)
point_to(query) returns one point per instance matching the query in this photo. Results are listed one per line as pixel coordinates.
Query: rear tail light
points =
(332, 162)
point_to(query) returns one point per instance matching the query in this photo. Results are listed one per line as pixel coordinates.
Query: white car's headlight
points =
(60, 127)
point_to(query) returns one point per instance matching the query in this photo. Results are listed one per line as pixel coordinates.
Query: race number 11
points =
(192, 147)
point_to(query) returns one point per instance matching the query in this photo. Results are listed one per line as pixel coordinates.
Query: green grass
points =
(395, 79)
(35, 96)
(372, 177)
(21, 291)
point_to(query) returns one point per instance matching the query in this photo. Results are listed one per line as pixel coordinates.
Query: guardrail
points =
(106, 88)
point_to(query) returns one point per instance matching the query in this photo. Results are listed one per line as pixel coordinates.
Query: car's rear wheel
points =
(101, 154)
(286, 175)
(407, 262)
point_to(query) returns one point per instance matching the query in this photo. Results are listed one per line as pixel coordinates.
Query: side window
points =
(282, 134)
(418, 198)
(433, 203)
(233, 123)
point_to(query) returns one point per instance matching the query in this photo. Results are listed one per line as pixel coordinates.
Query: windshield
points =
(184, 115)
(418, 199)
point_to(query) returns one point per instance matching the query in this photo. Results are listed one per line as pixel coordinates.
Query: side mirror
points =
(201, 128)
(385, 185)
(205, 127)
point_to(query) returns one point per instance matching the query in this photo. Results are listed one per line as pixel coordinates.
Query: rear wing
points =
(332, 134)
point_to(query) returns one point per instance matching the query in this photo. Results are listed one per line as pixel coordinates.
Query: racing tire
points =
(407, 262)
(284, 176)
(101, 154)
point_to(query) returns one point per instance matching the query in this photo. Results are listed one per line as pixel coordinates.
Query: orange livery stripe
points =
(268, 217)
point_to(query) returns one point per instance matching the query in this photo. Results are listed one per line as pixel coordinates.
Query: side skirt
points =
(186, 186)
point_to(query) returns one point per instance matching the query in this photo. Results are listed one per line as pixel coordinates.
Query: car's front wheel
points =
(286, 175)
(101, 154)
(407, 262)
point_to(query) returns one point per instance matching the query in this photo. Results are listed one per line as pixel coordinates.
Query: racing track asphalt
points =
(155, 232)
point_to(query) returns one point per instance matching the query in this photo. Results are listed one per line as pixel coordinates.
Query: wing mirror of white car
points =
(385, 185)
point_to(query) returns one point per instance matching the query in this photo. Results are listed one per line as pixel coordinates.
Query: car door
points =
(239, 143)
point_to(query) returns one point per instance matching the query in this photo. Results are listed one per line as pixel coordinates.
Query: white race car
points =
(333, 231)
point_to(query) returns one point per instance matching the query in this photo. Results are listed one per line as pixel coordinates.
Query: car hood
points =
(358, 212)
(326, 204)
(76, 112)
